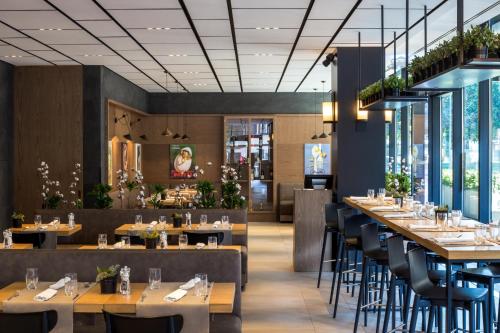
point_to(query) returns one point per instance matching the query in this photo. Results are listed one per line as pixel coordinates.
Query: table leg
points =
(449, 310)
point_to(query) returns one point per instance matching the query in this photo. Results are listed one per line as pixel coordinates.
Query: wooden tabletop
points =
(126, 229)
(427, 238)
(221, 298)
(62, 230)
(17, 247)
(169, 248)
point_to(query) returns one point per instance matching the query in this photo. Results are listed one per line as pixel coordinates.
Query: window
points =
(387, 146)
(495, 149)
(420, 150)
(397, 124)
(471, 152)
(446, 131)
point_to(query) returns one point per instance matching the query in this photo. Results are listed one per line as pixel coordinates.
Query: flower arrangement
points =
(156, 190)
(138, 179)
(51, 195)
(122, 177)
(74, 192)
(398, 184)
(231, 189)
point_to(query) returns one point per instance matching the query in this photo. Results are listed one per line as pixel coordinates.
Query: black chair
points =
(198, 237)
(116, 323)
(331, 227)
(425, 291)
(35, 238)
(33, 322)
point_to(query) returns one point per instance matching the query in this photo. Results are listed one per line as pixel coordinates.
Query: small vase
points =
(16, 223)
(151, 243)
(108, 286)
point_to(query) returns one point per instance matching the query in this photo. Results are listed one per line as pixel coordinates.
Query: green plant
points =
(230, 189)
(156, 190)
(176, 216)
(391, 82)
(478, 37)
(131, 185)
(17, 216)
(205, 196)
(442, 209)
(107, 273)
(100, 193)
(150, 234)
(53, 201)
(398, 184)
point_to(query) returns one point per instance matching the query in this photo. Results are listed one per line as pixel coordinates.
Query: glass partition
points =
(495, 149)
(420, 150)
(471, 152)
(446, 130)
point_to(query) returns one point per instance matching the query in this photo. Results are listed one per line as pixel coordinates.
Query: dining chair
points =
(35, 238)
(33, 322)
(331, 227)
(117, 323)
(199, 237)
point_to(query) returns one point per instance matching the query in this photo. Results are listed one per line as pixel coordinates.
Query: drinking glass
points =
(480, 233)
(409, 203)
(225, 220)
(417, 208)
(38, 221)
(183, 241)
(154, 278)
(371, 194)
(163, 221)
(57, 222)
(138, 219)
(442, 219)
(102, 241)
(212, 242)
(456, 217)
(31, 278)
(71, 220)
(126, 242)
(203, 219)
(201, 286)
(429, 209)
(381, 195)
(71, 287)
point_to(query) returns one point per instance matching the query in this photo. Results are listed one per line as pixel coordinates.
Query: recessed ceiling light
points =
(50, 29)
(191, 72)
(199, 84)
(13, 56)
(263, 54)
(267, 28)
(158, 28)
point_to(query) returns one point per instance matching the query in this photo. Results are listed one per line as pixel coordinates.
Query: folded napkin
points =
(45, 295)
(44, 227)
(358, 198)
(175, 296)
(468, 223)
(382, 209)
(190, 284)
(423, 226)
(200, 245)
(154, 223)
(216, 224)
(52, 223)
(400, 215)
(450, 240)
(59, 284)
(118, 245)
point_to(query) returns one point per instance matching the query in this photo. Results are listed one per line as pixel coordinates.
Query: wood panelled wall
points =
(47, 127)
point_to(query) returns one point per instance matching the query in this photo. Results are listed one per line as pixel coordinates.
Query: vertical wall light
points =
(388, 116)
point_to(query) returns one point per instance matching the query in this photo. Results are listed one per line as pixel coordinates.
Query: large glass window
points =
(387, 146)
(420, 150)
(471, 151)
(446, 131)
(398, 141)
(495, 149)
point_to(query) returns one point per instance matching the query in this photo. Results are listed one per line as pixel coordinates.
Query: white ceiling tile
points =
(63, 37)
(122, 68)
(309, 43)
(258, 60)
(36, 20)
(24, 5)
(103, 28)
(221, 28)
(166, 49)
(195, 60)
(220, 64)
(7, 50)
(121, 43)
(84, 49)
(229, 78)
(135, 55)
(164, 36)
(27, 44)
(104, 60)
(266, 36)
(221, 54)
(80, 9)
(134, 4)
(26, 61)
(147, 64)
(218, 43)
(51, 55)
(8, 32)
(188, 68)
(207, 9)
(280, 49)
(282, 18)
(270, 4)
(227, 71)
(331, 9)
(321, 27)
(151, 18)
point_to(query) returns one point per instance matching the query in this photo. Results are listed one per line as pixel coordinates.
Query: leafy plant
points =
(398, 184)
(17, 216)
(478, 37)
(205, 197)
(107, 273)
(156, 190)
(442, 209)
(101, 194)
(150, 234)
(176, 216)
(391, 82)
(231, 189)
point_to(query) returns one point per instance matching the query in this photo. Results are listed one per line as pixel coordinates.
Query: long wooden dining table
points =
(456, 253)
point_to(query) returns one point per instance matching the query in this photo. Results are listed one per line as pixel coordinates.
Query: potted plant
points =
(107, 278)
(177, 219)
(101, 196)
(231, 189)
(477, 41)
(398, 184)
(156, 190)
(441, 216)
(17, 220)
(150, 237)
(205, 197)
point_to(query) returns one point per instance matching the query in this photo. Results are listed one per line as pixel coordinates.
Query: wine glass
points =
(102, 241)
(183, 241)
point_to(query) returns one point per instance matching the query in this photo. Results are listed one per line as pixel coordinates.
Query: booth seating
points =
(105, 221)
(285, 194)
(177, 266)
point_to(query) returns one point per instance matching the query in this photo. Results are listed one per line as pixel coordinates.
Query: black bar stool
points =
(331, 227)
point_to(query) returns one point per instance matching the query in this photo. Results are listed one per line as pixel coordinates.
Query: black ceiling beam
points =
(198, 38)
(299, 33)
(38, 41)
(103, 43)
(233, 33)
(344, 22)
(32, 54)
(136, 41)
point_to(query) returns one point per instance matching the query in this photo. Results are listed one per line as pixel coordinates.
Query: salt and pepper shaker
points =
(125, 281)
(188, 220)
(7, 239)
(71, 220)
(163, 240)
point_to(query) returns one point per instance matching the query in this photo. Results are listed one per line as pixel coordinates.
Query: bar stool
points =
(425, 291)
(373, 255)
(331, 227)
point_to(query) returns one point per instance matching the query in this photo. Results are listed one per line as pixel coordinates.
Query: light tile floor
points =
(277, 299)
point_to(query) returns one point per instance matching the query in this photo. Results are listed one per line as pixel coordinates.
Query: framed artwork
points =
(138, 157)
(124, 151)
(182, 160)
(317, 159)
(110, 162)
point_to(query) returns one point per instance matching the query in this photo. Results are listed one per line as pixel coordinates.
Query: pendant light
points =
(167, 132)
(323, 134)
(315, 136)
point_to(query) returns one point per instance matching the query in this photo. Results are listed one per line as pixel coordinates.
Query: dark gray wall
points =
(100, 85)
(360, 147)
(6, 143)
(232, 103)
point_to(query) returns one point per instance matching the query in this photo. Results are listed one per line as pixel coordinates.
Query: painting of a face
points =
(182, 161)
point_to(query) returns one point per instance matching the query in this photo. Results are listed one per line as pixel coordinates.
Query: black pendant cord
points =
(359, 69)
(407, 49)
(425, 30)
(382, 47)
(395, 63)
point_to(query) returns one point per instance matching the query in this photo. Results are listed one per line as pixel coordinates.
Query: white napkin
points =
(44, 227)
(358, 198)
(400, 215)
(382, 209)
(468, 223)
(175, 296)
(216, 224)
(465, 237)
(190, 284)
(45, 295)
(118, 245)
(423, 226)
(59, 284)
(52, 223)
(199, 246)
(154, 223)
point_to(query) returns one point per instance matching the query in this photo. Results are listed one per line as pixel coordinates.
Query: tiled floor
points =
(277, 299)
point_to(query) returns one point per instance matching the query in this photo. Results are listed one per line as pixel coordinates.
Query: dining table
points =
(17, 246)
(424, 231)
(51, 232)
(167, 248)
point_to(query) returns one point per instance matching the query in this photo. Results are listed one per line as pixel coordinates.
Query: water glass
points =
(225, 220)
(71, 286)
(456, 217)
(480, 234)
(31, 278)
(71, 220)
(201, 285)
(203, 219)
(429, 209)
(409, 203)
(381, 195)
(56, 222)
(38, 221)
(138, 219)
(183, 241)
(154, 278)
(163, 220)
(126, 242)
(212, 242)
(417, 209)
(442, 220)
(102, 241)
(7, 239)
(371, 194)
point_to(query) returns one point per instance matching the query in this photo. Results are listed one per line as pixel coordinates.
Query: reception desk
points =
(309, 224)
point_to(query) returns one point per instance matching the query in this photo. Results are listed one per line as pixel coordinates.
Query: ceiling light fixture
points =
(144, 137)
(128, 136)
(13, 56)
(267, 28)
(263, 54)
(158, 28)
(331, 58)
(50, 29)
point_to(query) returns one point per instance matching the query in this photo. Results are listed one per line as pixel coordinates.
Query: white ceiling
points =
(115, 34)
